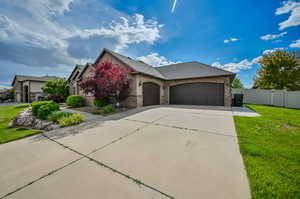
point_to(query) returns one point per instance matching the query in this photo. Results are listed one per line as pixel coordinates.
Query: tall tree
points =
(279, 70)
(236, 83)
(56, 89)
(109, 80)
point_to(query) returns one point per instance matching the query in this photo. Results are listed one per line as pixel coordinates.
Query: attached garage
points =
(151, 94)
(202, 93)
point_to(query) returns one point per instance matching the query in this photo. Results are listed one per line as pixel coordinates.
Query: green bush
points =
(75, 101)
(101, 102)
(71, 120)
(46, 110)
(56, 89)
(37, 105)
(54, 116)
(108, 109)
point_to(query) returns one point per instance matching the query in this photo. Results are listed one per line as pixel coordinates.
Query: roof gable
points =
(76, 68)
(169, 72)
(137, 66)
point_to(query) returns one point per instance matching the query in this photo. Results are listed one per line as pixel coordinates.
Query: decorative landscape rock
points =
(26, 119)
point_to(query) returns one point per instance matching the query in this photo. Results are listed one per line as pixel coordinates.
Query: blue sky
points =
(51, 36)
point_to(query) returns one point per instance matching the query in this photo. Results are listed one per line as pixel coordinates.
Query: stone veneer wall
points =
(140, 79)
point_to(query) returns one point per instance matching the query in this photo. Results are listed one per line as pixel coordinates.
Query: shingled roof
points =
(138, 66)
(189, 70)
(185, 70)
(80, 67)
(33, 78)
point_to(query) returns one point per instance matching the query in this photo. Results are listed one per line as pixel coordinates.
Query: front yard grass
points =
(6, 133)
(270, 146)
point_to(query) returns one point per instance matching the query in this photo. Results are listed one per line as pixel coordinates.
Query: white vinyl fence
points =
(290, 99)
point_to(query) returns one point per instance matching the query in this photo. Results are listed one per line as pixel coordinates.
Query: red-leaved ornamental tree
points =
(109, 80)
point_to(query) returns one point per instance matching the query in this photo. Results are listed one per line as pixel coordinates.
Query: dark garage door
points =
(197, 94)
(151, 94)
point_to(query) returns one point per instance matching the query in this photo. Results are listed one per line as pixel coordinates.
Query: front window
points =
(74, 88)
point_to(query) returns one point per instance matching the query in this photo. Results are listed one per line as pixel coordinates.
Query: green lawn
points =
(8, 134)
(270, 146)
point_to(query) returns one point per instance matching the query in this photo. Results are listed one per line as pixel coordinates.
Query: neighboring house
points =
(3, 94)
(73, 79)
(29, 88)
(190, 83)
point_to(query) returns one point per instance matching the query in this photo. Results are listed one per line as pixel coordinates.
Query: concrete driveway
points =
(162, 152)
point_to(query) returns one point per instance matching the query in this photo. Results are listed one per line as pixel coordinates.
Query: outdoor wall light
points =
(140, 83)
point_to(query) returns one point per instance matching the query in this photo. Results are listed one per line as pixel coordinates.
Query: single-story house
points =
(190, 83)
(29, 88)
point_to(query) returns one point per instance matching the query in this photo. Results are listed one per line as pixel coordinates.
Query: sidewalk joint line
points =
(135, 180)
(40, 178)
(182, 128)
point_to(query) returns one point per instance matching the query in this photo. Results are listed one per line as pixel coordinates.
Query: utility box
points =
(238, 100)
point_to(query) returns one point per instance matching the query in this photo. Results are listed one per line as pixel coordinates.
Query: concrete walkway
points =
(157, 152)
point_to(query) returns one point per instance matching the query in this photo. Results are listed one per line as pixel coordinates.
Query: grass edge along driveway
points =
(8, 134)
(270, 146)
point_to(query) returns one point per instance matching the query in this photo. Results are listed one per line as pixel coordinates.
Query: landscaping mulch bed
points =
(96, 111)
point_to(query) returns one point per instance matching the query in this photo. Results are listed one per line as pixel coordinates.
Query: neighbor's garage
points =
(203, 93)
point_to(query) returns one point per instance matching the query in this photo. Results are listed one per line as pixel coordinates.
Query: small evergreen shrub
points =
(47, 109)
(108, 109)
(101, 102)
(75, 101)
(54, 116)
(71, 119)
(36, 106)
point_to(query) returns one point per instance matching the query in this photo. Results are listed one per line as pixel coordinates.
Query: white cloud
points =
(230, 40)
(295, 44)
(39, 34)
(154, 59)
(28, 46)
(237, 66)
(245, 63)
(272, 36)
(128, 31)
(272, 50)
(293, 8)
(44, 7)
(174, 6)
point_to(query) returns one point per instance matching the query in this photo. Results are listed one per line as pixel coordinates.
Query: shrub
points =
(71, 119)
(56, 89)
(75, 101)
(108, 80)
(101, 102)
(37, 105)
(108, 109)
(46, 109)
(54, 116)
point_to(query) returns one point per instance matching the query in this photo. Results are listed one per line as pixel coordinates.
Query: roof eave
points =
(146, 74)
(13, 82)
(73, 72)
(212, 76)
